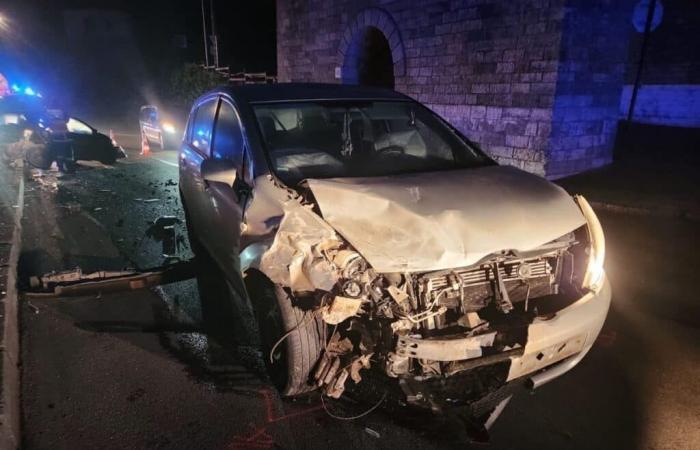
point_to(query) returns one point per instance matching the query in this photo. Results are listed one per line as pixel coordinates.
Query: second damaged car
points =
(371, 237)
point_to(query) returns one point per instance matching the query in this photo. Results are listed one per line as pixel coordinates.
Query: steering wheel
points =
(391, 149)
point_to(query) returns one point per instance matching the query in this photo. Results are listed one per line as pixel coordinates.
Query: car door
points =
(195, 149)
(225, 203)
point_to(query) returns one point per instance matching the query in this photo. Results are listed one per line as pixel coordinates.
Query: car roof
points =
(18, 103)
(282, 92)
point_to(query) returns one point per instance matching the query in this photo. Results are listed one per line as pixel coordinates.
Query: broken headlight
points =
(595, 274)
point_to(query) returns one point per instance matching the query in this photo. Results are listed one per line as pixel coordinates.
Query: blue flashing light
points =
(29, 91)
(15, 88)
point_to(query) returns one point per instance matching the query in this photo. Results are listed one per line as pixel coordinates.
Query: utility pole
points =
(640, 66)
(204, 31)
(214, 37)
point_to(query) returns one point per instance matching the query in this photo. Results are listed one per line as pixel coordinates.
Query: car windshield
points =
(328, 139)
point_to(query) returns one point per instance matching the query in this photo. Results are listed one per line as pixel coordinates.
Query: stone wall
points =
(591, 68)
(490, 67)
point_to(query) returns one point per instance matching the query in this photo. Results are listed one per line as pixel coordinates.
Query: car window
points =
(359, 138)
(149, 114)
(76, 126)
(202, 125)
(228, 137)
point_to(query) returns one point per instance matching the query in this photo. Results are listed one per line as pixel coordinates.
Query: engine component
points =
(500, 292)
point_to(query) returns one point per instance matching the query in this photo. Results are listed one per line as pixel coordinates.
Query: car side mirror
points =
(219, 171)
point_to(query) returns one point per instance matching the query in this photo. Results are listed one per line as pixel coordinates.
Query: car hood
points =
(439, 220)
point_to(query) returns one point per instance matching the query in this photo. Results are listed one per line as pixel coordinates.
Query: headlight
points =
(595, 274)
(168, 127)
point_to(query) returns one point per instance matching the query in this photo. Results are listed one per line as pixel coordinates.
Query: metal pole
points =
(214, 38)
(204, 31)
(640, 67)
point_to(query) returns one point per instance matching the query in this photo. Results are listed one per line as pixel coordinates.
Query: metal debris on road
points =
(76, 283)
(50, 280)
(372, 433)
(33, 308)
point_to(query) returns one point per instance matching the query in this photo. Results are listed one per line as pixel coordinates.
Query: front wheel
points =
(294, 359)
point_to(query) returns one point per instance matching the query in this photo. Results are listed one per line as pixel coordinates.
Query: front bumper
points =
(557, 344)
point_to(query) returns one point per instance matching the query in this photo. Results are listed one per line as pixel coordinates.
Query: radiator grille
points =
(478, 283)
(484, 274)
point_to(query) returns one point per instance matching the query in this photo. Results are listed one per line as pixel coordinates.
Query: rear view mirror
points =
(219, 171)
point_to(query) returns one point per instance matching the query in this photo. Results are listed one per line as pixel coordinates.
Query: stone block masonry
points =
(536, 83)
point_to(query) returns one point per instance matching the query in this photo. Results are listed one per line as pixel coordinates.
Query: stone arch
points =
(373, 28)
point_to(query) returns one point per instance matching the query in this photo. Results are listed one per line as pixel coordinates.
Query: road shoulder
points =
(12, 208)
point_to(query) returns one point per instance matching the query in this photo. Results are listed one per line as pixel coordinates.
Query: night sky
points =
(39, 51)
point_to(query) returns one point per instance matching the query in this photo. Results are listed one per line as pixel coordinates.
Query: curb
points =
(10, 432)
(659, 211)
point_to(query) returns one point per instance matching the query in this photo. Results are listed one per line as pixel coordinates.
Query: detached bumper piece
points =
(76, 283)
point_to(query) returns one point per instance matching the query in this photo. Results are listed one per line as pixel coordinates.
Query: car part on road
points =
(163, 230)
(76, 283)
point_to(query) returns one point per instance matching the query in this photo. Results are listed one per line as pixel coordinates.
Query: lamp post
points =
(204, 31)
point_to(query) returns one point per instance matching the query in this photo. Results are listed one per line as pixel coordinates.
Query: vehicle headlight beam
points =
(168, 127)
(595, 273)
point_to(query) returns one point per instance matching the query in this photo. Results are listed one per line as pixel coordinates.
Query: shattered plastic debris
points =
(46, 181)
(341, 309)
(163, 230)
(296, 257)
(358, 364)
(337, 364)
(338, 346)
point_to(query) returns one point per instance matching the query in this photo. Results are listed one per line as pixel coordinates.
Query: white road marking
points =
(166, 162)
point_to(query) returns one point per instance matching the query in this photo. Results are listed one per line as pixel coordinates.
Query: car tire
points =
(296, 356)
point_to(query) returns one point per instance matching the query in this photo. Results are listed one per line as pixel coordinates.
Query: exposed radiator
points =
(477, 283)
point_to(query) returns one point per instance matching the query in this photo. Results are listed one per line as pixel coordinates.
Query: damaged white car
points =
(372, 238)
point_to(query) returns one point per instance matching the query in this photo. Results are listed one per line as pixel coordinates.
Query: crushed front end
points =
(449, 337)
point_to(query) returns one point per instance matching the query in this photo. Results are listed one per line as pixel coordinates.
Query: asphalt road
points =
(146, 370)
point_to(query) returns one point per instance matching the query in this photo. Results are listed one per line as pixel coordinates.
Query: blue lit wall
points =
(669, 92)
